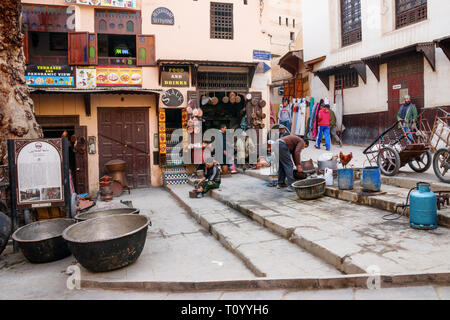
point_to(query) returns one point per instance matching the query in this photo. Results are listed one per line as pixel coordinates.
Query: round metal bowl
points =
(310, 189)
(42, 241)
(108, 243)
(105, 212)
(115, 165)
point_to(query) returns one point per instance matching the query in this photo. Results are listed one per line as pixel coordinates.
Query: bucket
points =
(371, 179)
(345, 179)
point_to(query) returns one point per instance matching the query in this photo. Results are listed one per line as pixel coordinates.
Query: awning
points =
(196, 63)
(325, 73)
(444, 44)
(309, 65)
(291, 61)
(427, 49)
(87, 93)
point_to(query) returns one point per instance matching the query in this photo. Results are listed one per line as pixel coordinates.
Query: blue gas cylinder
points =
(423, 207)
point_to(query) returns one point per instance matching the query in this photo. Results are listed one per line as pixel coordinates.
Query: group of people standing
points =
(325, 121)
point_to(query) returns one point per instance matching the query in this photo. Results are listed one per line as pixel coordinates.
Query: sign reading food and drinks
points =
(123, 76)
(107, 3)
(175, 76)
(50, 76)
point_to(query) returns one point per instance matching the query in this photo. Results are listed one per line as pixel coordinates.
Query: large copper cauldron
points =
(116, 169)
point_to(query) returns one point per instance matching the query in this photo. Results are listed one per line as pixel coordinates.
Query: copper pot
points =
(238, 99)
(232, 99)
(195, 112)
(262, 103)
(225, 99)
(214, 101)
(232, 95)
(189, 110)
(225, 169)
(263, 116)
(200, 112)
(254, 102)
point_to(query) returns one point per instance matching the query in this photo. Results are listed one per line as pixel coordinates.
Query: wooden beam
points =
(374, 66)
(429, 51)
(361, 69)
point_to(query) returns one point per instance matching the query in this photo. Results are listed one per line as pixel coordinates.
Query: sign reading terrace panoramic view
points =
(49, 76)
(39, 172)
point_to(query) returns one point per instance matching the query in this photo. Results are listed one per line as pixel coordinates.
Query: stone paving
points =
(348, 236)
(265, 253)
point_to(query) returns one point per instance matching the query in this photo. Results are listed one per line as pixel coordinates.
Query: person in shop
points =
(223, 131)
(289, 146)
(244, 146)
(407, 115)
(284, 115)
(324, 127)
(211, 180)
(333, 126)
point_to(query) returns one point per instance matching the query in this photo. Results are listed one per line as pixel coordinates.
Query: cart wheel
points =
(441, 165)
(421, 163)
(389, 161)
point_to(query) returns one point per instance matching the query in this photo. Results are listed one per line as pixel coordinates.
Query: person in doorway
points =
(211, 180)
(324, 127)
(284, 115)
(223, 131)
(244, 146)
(407, 115)
(333, 126)
(289, 146)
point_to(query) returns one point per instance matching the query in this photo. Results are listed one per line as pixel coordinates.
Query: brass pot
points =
(225, 99)
(115, 165)
(238, 99)
(232, 99)
(262, 103)
(214, 101)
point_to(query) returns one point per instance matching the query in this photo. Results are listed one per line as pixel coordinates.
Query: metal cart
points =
(397, 147)
(440, 144)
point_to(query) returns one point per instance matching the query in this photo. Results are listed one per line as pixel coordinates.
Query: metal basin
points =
(310, 189)
(103, 213)
(108, 243)
(42, 241)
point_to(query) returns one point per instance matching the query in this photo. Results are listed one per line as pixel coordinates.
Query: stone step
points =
(265, 253)
(351, 237)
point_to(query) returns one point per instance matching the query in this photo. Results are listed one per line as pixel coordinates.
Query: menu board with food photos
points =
(50, 76)
(123, 76)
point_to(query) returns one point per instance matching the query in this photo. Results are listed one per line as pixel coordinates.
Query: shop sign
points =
(172, 98)
(86, 77)
(280, 91)
(123, 76)
(49, 76)
(39, 172)
(163, 16)
(397, 87)
(261, 55)
(107, 3)
(176, 76)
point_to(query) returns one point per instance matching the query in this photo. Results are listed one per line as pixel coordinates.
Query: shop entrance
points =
(224, 111)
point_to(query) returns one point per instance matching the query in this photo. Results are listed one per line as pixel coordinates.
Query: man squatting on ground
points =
(211, 179)
(287, 146)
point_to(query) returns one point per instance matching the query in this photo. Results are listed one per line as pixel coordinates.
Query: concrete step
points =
(394, 191)
(351, 237)
(265, 253)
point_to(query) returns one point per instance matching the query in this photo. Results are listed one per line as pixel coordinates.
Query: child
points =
(211, 179)
(284, 115)
(324, 127)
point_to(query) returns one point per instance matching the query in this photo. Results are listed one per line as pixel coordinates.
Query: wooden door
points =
(405, 76)
(124, 134)
(81, 161)
(145, 49)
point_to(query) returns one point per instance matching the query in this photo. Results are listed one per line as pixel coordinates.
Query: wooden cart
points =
(396, 147)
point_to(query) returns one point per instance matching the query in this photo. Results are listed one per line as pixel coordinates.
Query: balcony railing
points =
(49, 60)
(114, 61)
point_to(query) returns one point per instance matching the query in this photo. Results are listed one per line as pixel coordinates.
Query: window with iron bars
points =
(347, 79)
(351, 21)
(409, 12)
(222, 81)
(221, 20)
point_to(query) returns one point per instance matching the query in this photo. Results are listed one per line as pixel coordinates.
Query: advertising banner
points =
(175, 76)
(86, 77)
(107, 3)
(49, 76)
(123, 76)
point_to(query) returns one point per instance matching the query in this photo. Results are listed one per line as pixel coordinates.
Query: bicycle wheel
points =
(422, 163)
(441, 165)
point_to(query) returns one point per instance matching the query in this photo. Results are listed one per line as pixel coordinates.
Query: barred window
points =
(346, 79)
(409, 12)
(351, 21)
(222, 81)
(221, 20)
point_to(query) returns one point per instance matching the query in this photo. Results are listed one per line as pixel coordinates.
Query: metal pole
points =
(67, 193)
(13, 189)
